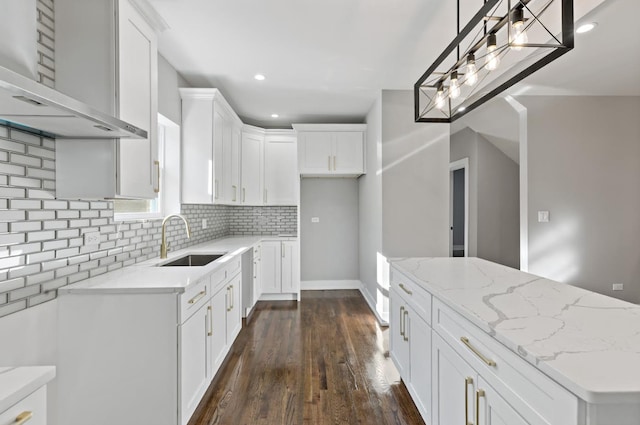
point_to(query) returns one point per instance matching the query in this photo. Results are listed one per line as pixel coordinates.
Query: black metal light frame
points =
(558, 50)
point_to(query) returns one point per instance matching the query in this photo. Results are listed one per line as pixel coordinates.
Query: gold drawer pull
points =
(405, 289)
(23, 417)
(477, 352)
(479, 393)
(197, 297)
(468, 381)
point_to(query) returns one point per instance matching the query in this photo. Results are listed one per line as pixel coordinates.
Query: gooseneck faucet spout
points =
(163, 245)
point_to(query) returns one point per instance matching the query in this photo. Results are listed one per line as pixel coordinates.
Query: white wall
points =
(169, 103)
(464, 145)
(370, 212)
(415, 181)
(329, 249)
(584, 167)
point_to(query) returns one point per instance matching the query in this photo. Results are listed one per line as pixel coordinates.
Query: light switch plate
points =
(92, 238)
(315, 219)
(543, 216)
(618, 287)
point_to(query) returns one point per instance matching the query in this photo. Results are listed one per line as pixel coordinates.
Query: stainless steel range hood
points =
(31, 106)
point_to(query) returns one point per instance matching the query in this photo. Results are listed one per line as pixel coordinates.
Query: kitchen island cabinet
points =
(511, 348)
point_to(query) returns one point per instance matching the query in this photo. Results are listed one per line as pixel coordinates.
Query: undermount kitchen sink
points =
(192, 260)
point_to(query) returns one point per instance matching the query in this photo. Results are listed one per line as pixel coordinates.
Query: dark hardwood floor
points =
(321, 361)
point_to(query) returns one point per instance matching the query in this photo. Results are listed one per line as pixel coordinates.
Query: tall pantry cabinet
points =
(109, 60)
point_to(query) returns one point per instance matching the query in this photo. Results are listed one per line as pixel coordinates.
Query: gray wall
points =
(584, 167)
(169, 103)
(370, 207)
(415, 181)
(329, 249)
(494, 194)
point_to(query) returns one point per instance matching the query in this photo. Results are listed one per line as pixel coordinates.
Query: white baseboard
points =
(278, 297)
(372, 305)
(324, 285)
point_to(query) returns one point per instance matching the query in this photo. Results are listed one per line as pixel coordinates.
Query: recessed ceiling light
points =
(586, 27)
(274, 115)
(259, 77)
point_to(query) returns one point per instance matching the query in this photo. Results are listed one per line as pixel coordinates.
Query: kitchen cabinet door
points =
(234, 308)
(290, 254)
(138, 171)
(234, 183)
(453, 386)
(316, 151)
(217, 332)
(197, 151)
(348, 155)
(399, 347)
(251, 169)
(193, 346)
(218, 159)
(280, 172)
(419, 335)
(493, 409)
(271, 273)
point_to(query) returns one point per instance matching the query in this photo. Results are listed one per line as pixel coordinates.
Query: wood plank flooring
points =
(321, 361)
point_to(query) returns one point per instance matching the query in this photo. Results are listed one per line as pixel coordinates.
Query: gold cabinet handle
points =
(401, 321)
(235, 190)
(405, 289)
(244, 195)
(228, 298)
(197, 297)
(334, 163)
(406, 314)
(329, 163)
(210, 314)
(23, 417)
(477, 352)
(216, 189)
(157, 165)
(468, 381)
(479, 393)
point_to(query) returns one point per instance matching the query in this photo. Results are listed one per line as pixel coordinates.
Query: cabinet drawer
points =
(36, 403)
(233, 266)
(413, 294)
(531, 393)
(194, 297)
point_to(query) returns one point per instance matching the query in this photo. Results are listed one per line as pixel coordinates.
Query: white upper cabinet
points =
(112, 65)
(281, 181)
(210, 148)
(331, 150)
(251, 165)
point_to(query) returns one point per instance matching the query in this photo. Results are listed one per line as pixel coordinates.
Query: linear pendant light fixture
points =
(503, 43)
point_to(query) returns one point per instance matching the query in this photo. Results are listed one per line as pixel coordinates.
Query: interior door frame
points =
(454, 166)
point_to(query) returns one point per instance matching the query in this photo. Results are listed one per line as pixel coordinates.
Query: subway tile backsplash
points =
(42, 238)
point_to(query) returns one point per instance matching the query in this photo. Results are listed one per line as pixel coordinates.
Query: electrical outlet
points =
(315, 219)
(618, 287)
(92, 238)
(204, 223)
(543, 216)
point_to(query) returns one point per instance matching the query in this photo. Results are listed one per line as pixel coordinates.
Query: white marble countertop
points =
(17, 383)
(146, 277)
(587, 342)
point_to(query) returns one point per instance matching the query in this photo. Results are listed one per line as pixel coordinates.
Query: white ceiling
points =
(326, 61)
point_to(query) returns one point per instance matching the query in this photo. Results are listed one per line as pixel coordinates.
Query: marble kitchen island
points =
(587, 343)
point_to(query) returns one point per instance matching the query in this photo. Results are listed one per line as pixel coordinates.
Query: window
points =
(168, 200)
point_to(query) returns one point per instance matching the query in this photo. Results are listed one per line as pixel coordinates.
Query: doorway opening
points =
(459, 207)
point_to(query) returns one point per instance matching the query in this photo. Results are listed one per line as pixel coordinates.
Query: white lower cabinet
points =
(31, 409)
(152, 355)
(399, 347)
(280, 267)
(493, 409)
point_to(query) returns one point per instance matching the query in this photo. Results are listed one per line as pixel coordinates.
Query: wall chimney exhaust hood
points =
(31, 106)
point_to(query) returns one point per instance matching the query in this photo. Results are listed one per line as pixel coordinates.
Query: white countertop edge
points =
(592, 397)
(19, 382)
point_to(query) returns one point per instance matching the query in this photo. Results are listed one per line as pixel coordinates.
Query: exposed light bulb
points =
(519, 34)
(440, 100)
(471, 73)
(454, 88)
(492, 60)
